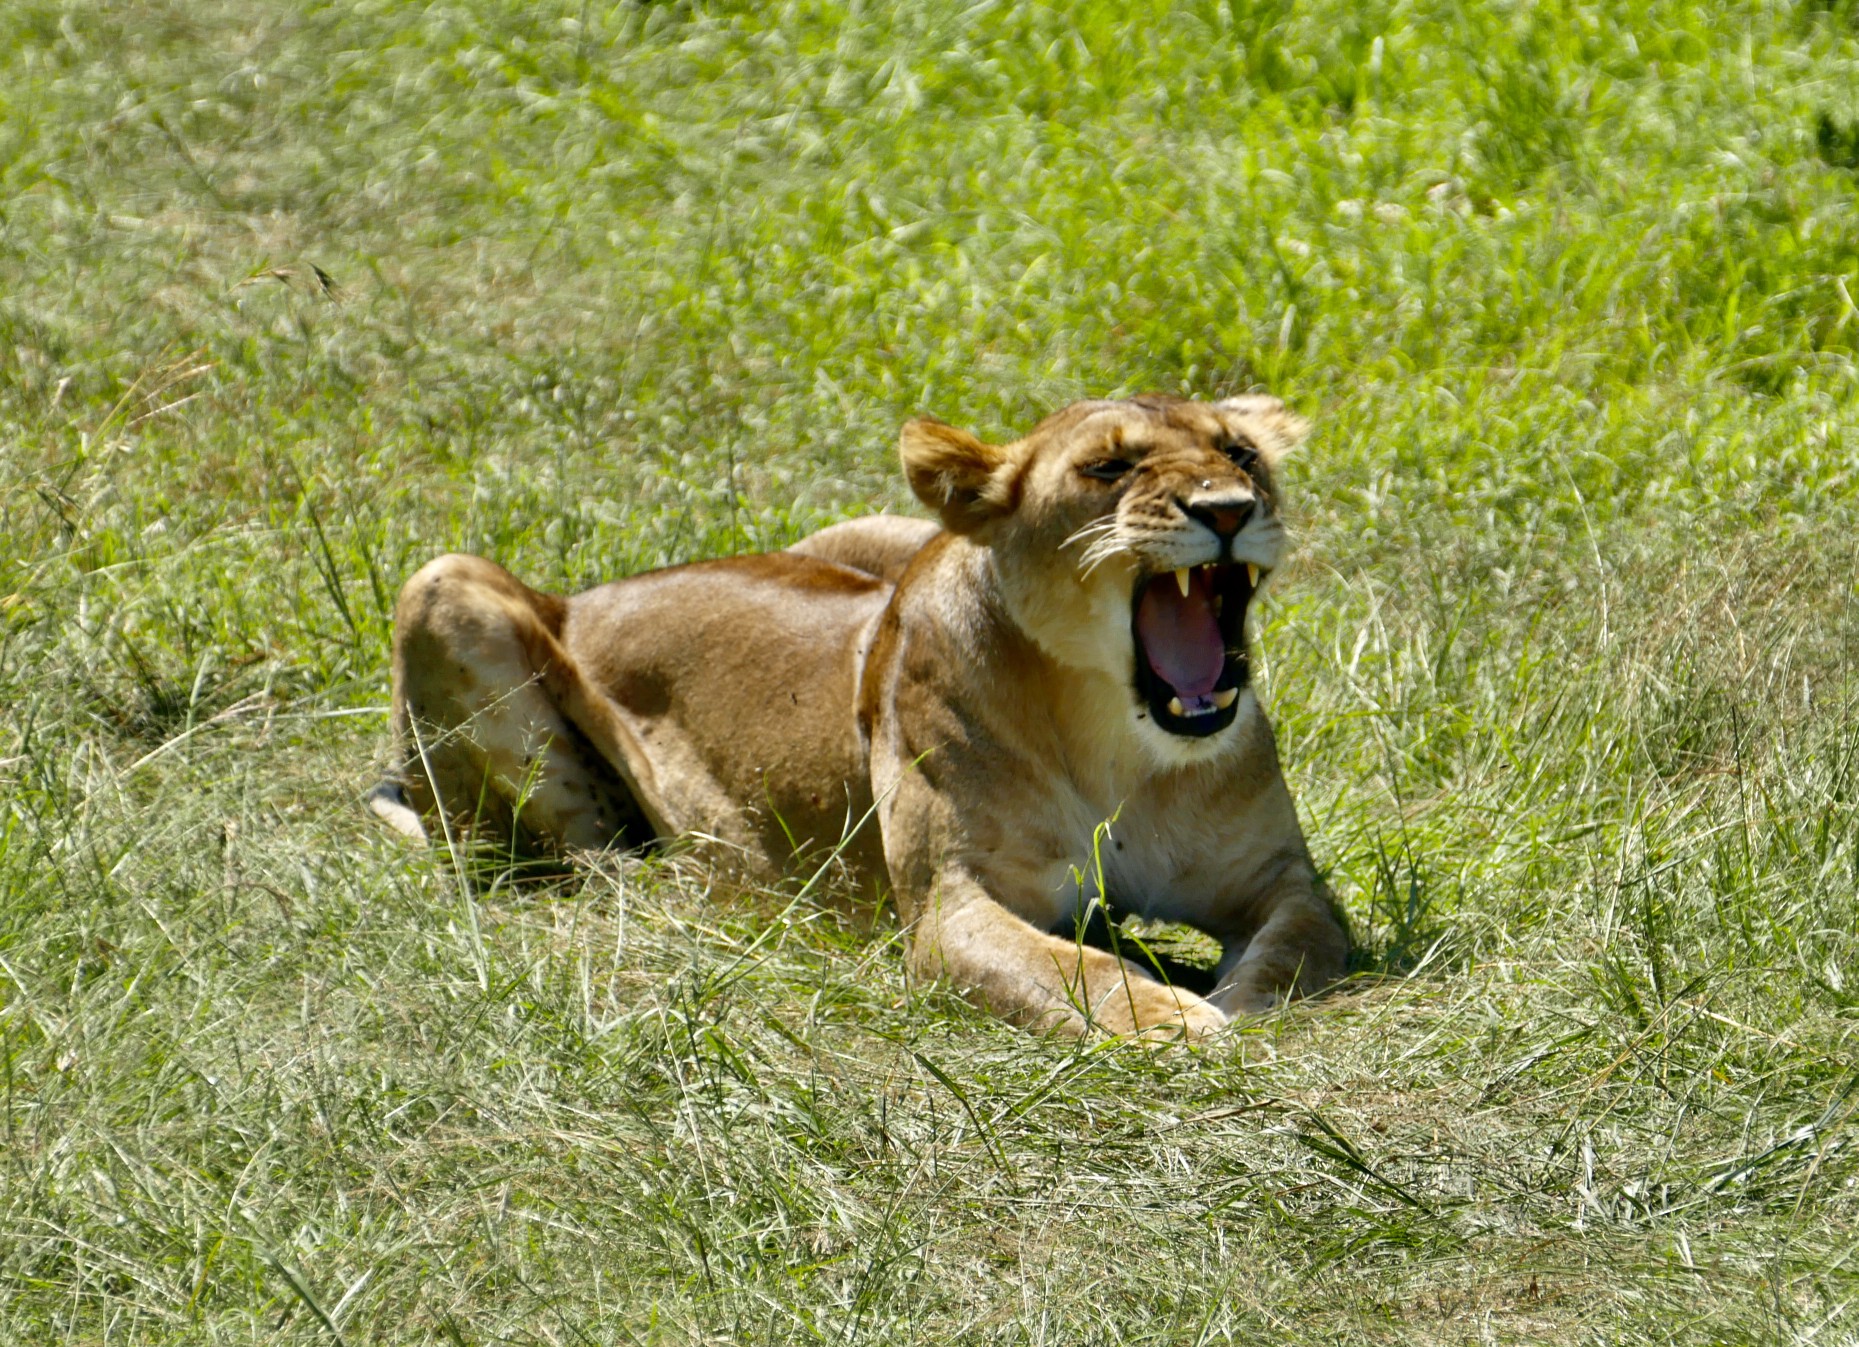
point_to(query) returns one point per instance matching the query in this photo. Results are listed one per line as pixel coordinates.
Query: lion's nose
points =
(1225, 515)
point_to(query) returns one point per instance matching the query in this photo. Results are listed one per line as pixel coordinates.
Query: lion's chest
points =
(1166, 867)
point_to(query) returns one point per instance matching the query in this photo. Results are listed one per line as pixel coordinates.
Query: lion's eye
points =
(1107, 469)
(1244, 456)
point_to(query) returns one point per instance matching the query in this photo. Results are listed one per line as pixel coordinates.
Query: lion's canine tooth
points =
(1175, 708)
(1252, 573)
(1181, 579)
(1226, 697)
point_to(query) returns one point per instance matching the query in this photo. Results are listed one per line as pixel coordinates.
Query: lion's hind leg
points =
(489, 720)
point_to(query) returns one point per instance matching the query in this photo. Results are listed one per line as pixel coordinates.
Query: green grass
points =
(295, 297)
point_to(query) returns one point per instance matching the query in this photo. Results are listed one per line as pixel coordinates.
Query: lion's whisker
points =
(1101, 538)
(1088, 532)
(1102, 550)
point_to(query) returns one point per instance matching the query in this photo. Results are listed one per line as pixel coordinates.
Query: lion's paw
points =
(1247, 1002)
(1175, 1017)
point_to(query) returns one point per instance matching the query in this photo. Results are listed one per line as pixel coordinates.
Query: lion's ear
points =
(1274, 427)
(953, 473)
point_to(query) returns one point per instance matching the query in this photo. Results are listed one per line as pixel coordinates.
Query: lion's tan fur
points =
(952, 708)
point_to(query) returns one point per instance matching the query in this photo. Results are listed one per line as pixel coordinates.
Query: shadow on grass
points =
(1405, 929)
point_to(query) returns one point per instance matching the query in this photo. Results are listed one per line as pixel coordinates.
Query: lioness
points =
(1047, 694)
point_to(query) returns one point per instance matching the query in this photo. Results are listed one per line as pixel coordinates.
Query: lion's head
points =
(1128, 537)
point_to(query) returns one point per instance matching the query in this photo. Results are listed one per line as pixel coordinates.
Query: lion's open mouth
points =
(1190, 630)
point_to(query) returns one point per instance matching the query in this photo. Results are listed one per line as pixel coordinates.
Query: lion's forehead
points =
(1132, 425)
(1192, 438)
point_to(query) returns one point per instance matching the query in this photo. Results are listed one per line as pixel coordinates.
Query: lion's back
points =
(739, 676)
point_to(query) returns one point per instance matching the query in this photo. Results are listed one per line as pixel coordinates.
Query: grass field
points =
(293, 297)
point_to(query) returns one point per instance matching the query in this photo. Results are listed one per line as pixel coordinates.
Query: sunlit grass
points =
(292, 299)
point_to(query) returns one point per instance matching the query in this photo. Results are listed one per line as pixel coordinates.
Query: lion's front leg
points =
(963, 936)
(496, 731)
(1298, 949)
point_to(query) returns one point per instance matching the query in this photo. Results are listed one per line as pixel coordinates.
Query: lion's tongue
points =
(1180, 634)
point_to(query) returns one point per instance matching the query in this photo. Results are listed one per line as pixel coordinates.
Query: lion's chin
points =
(1189, 628)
